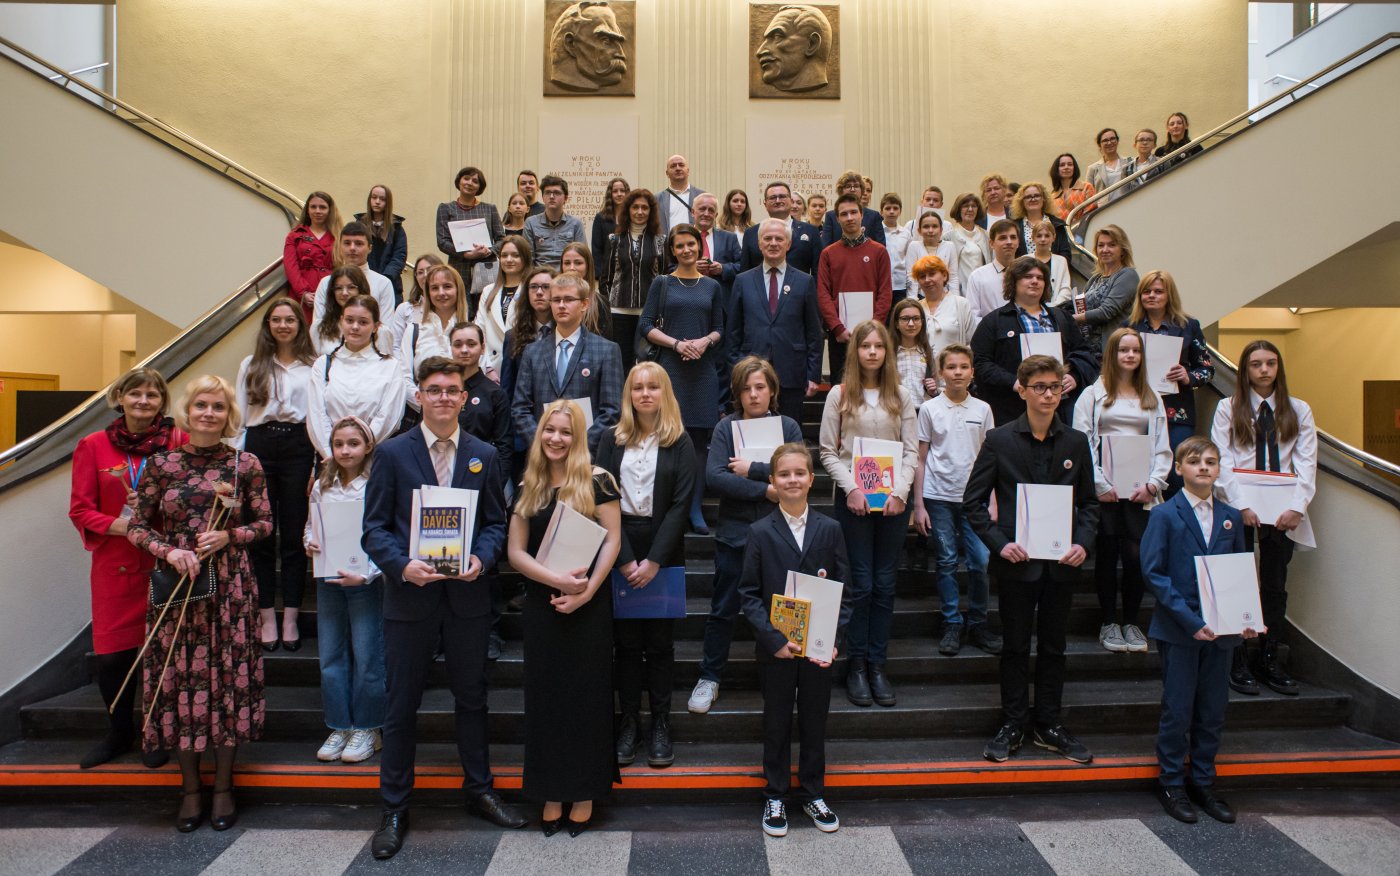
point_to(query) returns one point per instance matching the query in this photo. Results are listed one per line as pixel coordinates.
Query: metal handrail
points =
(80, 71)
(1080, 212)
(209, 156)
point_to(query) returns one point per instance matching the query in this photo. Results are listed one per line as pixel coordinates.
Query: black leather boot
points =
(661, 754)
(1241, 679)
(1274, 676)
(627, 735)
(857, 685)
(880, 688)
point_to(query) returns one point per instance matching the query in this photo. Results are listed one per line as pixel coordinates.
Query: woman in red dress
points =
(309, 251)
(106, 468)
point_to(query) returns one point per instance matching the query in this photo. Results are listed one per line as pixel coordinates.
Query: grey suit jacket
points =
(664, 198)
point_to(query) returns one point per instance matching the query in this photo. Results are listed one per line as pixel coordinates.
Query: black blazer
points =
(401, 465)
(871, 220)
(996, 353)
(771, 553)
(486, 415)
(670, 498)
(1004, 462)
(1061, 244)
(803, 254)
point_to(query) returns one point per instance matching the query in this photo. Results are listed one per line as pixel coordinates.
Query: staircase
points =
(931, 742)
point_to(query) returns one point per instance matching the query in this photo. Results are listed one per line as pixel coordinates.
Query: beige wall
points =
(343, 95)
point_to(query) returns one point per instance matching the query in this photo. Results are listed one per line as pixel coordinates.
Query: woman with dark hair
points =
(345, 283)
(1030, 207)
(355, 380)
(1178, 135)
(1110, 168)
(914, 358)
(532, 317)
(633, 261)
(107, 466)
(470, 184)
(996, 344)
(578, 259)
(735, 215)
(309, 251)
(388, 244)
(965, 228)
(500, 299)
(1108, 297)
(1157, 311)
(605, 220)
(273, 390)
(1069, 189)
(684, 316)
(1263, 428)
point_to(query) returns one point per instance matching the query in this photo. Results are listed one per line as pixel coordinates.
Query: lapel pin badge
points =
(1011, 334)
(803, 237)
(1069, 464)
(787, 289)
(867, 258)
(821, 573)
(476, 399)
(586, 373)
(1228, 525)
(474, 465)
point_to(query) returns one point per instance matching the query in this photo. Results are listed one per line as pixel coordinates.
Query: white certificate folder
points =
(1043, 344)
(825, 596)
(1161, 353)
(854, 308)
(336, 528)
(1126, 461)
(571, 541)
(467, 233)
(1229, 590)
(1044, 519)
(755, 440)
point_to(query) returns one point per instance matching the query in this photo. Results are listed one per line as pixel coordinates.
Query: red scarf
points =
(152, 440)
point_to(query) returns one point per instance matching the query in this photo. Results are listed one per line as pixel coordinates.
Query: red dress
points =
(306, 259)
(119, 568)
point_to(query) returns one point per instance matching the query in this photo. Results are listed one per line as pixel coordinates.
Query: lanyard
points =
(133, 471)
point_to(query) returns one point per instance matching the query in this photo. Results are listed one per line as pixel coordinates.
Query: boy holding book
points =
(793, 538)
(1195, 661)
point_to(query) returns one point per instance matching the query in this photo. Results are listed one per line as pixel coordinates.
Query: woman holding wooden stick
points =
(202, 665)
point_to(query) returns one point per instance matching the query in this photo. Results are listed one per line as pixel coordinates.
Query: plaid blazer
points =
(594, 373)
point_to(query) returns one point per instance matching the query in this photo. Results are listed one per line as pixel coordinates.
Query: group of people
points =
(617, 393)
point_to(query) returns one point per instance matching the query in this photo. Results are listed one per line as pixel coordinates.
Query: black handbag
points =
(164, 578)
(645, 349)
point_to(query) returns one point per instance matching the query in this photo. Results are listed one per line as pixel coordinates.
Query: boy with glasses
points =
(550, 230)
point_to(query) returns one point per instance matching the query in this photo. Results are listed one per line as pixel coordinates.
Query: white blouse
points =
(976, 248)
(288, 400)
(949, 251)
(434, 339)
(338, 492)
(361, 384)
(1298, 455)
(638, 476)
(383, 341)
(951, 322)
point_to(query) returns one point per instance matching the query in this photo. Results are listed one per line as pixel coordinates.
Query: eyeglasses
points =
(913, 317)
(1046, 388)
(539, 287)
(553, 193)
(1033, 197)
(564, 300)
(437, 392)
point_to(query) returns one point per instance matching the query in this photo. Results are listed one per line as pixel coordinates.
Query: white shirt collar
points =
(800, 520)
(781, 266)
(1197, 502)
(572, 339)
(432, 439)
(1255, 399)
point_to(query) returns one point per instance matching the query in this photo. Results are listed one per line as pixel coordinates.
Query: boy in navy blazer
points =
(1195, 661)
(792, 538)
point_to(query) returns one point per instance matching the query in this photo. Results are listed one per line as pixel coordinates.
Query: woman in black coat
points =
(388, 244)
(634, 259)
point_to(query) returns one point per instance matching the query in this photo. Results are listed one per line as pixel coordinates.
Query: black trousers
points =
(790, 399)
(808, 686)
(624, 333)
(1275, 552)
(644, 649)
(279, 561)
(1041, 606)
(1121, 525)
(836, 353)
(409, 648)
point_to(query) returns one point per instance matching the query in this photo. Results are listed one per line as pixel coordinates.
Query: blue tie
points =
(561, 368)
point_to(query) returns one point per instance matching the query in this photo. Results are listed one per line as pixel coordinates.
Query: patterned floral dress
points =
(212, 693)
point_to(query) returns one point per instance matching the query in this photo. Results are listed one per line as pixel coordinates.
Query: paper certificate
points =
(1126, 461)
(1044, 520)
(467, 233)
(824, 597)
(443, 527)
(872, 465)
(587, 405)
(1268, 494)
(756, 439)
(1042, 344)
(1160, 354)
(1229, 589)
(336, 528)
(570, 542)
(854, 308)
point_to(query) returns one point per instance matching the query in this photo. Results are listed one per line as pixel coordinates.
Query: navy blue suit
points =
(457, 613)
(803, 254)
(791, 339)
(873, 223)
(1195, 674)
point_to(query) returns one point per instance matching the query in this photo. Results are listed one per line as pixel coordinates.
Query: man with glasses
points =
(806, 239)
(1033, 595)
(423, 607)
(551, 230)
(570, 362)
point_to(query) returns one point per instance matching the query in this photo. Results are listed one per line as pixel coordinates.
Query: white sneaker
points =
(334, 745)
(1111, 637)
(822, 816)
(363, 744)
(1134, 638)
(704, 696)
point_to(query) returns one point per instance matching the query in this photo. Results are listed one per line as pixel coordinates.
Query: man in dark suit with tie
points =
(1195, 659)
(570, 362)
(1035, 448)
(806, 238)
(423, 608)
(773, 315)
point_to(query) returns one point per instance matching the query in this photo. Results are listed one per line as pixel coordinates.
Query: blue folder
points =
(664, 596)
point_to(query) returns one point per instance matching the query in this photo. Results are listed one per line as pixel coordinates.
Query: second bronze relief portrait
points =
(589, 46)
(794, 51)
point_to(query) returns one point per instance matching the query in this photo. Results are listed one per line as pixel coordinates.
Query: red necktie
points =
(773, 291)
(705, 247)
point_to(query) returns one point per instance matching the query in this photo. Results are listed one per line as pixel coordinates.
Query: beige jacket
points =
(838, 435)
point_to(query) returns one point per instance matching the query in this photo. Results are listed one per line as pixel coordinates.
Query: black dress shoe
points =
(880, 688)
(661, 754)
(269, 647)
(627, 735)
(292, 644)
(1273, 674)
(389, 838)
(857, 686)
(228, 819)
(578, 827)
(1204, 797)
(492, 808)
(552, 826)
(188, 824)
(1176, 804)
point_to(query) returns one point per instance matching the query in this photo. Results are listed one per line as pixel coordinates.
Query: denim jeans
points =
(724, 608)
(350, 631)
(947, 526)
(874, 544)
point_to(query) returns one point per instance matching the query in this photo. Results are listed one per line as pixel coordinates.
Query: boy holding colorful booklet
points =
(795, 547)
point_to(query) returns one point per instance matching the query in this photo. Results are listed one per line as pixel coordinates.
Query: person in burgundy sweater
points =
(852, 264)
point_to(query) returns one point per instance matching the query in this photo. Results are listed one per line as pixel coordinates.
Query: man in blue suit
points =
(773, 315)
(423, 607)
(569, 362)
(1195, 661)
(806, 239)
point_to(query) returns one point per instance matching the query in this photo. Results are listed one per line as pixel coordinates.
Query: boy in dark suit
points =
(792, 538)
(1033, 595)
(1195, 661)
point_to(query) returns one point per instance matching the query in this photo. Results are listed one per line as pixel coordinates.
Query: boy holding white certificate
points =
(1183, 533)
(794, 538)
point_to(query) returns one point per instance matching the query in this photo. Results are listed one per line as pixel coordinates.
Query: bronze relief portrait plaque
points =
(794, 51)
(589, 47)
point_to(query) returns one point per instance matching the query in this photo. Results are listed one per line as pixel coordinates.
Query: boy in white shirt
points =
(897, 239)
(952, 426)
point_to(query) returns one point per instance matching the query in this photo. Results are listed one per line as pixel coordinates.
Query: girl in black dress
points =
(568, 626)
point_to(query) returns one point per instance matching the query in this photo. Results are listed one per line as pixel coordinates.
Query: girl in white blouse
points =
(914, 358)
(345, 283)
(1121, 403)
(274, 390)
(931, 242)
(870, 403)
(949, 318)
(964, 229)
(1262, 427)
(499, 300)
(355, 380)
(413, 300)
(428, 332)
(1043, 235)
